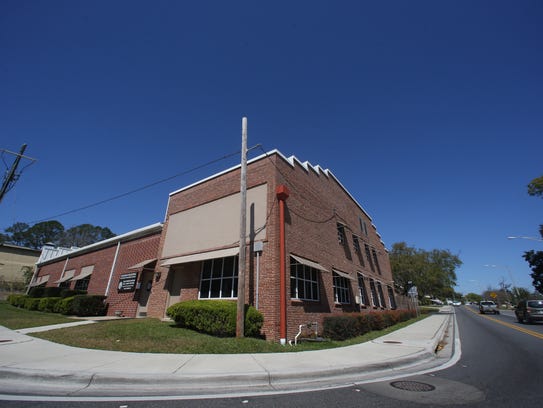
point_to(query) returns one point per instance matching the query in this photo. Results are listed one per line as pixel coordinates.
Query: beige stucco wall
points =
(215, 224)
(12, 260)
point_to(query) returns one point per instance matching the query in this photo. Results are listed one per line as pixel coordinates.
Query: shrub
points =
(31, 303)
(215, 317)
(89, 305)
(65, 306)
(340, 327)
(17, 300)
(346, 326)
(65, 292)
(36, 291)
(48, 304)
(376, 320)
(51, 291)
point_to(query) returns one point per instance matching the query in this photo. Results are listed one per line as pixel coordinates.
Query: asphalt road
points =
(501, 365)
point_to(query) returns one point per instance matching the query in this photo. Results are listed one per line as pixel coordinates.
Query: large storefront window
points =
(304, 281)
(219, 278)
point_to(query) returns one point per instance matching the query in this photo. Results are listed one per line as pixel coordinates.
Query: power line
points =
(137, 190)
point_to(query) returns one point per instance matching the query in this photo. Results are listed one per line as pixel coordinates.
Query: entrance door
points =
(145, 291)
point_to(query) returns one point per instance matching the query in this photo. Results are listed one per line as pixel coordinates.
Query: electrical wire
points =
(137, 190)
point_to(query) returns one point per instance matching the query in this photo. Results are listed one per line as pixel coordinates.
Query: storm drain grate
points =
(412, 386)
(4, 341)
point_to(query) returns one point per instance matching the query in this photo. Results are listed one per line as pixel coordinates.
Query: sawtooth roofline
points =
(292, 160)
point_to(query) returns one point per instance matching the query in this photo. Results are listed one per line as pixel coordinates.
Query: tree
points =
(85, 234)
(473, 297)
(432, 272)
(535, 259)
(44, 232)
(53, 231)
(17, 233)
(535, 188)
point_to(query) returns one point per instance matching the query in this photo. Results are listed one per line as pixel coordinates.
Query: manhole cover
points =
(412, 386)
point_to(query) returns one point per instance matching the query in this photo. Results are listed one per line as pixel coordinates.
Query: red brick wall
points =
(130, 253)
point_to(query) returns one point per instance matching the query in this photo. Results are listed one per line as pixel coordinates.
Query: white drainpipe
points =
(113, 267)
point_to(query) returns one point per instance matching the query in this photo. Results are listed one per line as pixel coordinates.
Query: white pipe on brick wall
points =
(113, 267)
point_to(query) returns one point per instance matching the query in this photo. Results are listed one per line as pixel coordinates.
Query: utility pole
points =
(11, 176)
(240, 321)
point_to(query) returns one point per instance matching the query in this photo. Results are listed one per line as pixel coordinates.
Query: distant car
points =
(529, 311)
(457, 303)
(487, 306)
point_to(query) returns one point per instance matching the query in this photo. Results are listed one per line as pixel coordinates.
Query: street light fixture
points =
(524, 237)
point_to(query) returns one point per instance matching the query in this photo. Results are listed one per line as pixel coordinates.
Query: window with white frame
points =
(219, 278)
(363, 295)
(304, 281)
(341, 289)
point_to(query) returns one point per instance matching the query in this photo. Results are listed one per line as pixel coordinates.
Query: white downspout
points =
(112, 268)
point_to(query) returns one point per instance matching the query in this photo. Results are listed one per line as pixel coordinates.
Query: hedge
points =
(48, 304)
(346, 326)
(215, 317)
(79, 305)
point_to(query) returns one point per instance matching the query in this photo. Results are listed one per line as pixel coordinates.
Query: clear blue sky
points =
(429, 112)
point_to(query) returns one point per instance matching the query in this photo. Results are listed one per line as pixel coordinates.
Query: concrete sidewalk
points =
(31, 366)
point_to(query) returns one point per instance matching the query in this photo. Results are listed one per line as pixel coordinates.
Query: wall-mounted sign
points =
(127, 282)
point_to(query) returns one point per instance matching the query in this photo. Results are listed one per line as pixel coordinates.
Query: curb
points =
(70, 384)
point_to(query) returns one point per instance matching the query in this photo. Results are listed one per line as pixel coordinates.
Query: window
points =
(356, 244)
(341, 234)
(375, 260)
(391, 298)
(219, 278)
(304, 281)
(363, 227)
(81, 284)
(341, 289)
(381, 295)
(373, 293)
(368, 256)
(363, 295)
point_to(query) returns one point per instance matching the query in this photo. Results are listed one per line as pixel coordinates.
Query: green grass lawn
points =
(15, 318)
(154, 336)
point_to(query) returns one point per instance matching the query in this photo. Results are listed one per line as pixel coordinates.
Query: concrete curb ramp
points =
(31, 366)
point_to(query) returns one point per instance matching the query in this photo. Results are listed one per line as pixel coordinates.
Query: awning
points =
(309, 263)
(142, 264)
(85, 271)
(221, 253)
(40, 280)
(67, 276)
(343, 274)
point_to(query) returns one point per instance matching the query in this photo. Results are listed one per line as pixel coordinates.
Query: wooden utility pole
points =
(240, 321)
(11, 176)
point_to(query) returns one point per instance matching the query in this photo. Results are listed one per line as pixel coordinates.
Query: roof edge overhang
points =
(138, 233)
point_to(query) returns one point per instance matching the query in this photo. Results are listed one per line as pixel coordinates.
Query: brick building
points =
(120, 268)
(334, 258)
(312, 250)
